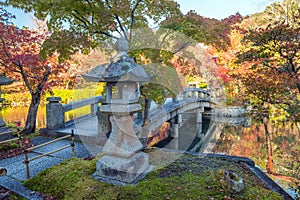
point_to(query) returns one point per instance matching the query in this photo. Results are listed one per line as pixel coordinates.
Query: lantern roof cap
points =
(122, 68)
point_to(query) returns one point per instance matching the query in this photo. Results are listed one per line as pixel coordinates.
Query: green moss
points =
(13, 196)
(182, 179)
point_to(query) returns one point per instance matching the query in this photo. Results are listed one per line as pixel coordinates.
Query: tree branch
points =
(45, 77)
(3, 64)
(185, 45)
(24, 75)
(104, 33)
(92, 15)
(5, 49)
(81, 19)
(165, 37)
(132, 18)
(121, 26)
(86, 24)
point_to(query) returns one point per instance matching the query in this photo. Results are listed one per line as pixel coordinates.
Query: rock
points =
(230, 181)
(235, 181)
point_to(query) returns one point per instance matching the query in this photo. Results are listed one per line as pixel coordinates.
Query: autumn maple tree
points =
(71, 21)
(20, 59)
(270, 61)
(209, 31)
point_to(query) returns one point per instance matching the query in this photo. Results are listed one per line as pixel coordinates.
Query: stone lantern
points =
(123, 162)
(3, 81)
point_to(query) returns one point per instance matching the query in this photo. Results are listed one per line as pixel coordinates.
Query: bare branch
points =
(121, 26)
(87, 23)
(118, 31)
(91, 8)
(45, 77)
(104, 33)
(24, 76)
(165, 36)
(132, 18)
(185, 45)
(81, 19)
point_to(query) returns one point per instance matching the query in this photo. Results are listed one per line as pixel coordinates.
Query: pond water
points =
(17, 115)
(270, 145)
(249, 137)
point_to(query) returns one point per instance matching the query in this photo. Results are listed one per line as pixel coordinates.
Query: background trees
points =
(204, 30)
(74, 23)
(20, 60)
(270, 59)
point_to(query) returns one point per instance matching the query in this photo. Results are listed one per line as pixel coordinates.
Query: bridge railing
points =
(196, 93)
(55, 111)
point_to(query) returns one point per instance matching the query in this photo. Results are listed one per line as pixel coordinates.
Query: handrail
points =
(82, 103)
(195, 90)
(19, 137)
(26, 151)
(196, 93)
(2, 133)
(50, 142)
(56, 111)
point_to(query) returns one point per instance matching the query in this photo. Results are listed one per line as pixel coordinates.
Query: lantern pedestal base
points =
(122, 171)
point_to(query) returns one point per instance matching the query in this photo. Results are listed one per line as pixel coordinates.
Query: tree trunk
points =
(270, 164)
(298, 84)
(30, 124)
(146, 111)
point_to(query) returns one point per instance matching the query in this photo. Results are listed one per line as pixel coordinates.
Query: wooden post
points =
(20, 139)
(27, 164)
(73, 143)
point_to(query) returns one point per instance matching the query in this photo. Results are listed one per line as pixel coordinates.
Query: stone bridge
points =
(89, 128)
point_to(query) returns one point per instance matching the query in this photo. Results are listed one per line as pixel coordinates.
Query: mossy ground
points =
(177, 176)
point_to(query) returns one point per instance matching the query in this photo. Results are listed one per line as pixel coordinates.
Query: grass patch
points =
(189, 177)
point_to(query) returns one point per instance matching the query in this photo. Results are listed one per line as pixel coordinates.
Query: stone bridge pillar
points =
(174, 127)
(54, 113)
(199, 123)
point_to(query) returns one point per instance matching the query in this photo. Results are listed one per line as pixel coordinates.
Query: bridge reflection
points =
(203, 138)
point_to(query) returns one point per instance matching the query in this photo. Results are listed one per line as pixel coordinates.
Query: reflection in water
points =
(18, 115)
(274, 147)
